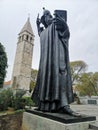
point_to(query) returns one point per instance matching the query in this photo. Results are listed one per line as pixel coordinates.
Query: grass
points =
(10, 112)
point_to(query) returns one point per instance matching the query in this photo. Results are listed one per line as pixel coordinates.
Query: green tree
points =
(94, 82)
(88, 84)
(77, 68)
(3, 64)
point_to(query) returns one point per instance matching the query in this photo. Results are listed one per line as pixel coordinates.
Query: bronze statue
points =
(53, 90)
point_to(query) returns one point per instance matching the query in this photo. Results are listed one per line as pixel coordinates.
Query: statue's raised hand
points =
(38, 20)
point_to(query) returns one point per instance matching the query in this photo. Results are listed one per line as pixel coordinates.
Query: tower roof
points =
(27, 27)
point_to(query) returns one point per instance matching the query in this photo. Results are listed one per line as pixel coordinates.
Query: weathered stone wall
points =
(89, 100)
(11, 121)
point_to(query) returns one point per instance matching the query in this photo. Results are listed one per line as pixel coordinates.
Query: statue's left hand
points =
(60, 23)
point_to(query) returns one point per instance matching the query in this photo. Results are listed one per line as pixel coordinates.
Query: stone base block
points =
(62, 117)
(35, 122)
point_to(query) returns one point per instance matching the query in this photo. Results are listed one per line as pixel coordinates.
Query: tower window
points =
(27, 37)
(30, 39)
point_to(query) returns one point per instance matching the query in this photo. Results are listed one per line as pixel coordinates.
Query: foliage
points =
(77, 68)
(28, 101)
(18, 102)
(3, 64)
(88, 84)
(32, 85)
(33, 79)
(6, 97)
(34, 74)
(19, 111)
(14, 99)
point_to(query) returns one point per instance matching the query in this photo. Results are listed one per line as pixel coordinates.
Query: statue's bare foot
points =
(69, 111)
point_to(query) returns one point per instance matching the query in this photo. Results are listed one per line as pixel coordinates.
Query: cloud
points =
(82, 21)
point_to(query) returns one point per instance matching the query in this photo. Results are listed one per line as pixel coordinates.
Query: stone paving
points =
(91, 110)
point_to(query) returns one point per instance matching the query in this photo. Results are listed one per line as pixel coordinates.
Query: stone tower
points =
(23, 59)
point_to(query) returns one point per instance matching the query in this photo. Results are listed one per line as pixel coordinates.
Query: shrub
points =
(28, 101)
(15, 99)
(18, 102)
(6, 97)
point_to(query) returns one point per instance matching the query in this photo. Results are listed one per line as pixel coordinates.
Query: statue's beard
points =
(49, 21)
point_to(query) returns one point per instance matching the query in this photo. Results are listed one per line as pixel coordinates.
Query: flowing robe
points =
(53, 88)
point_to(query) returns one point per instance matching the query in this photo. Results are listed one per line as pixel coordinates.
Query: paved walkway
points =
(91, 110)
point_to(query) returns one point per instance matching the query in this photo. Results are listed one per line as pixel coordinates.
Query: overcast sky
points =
(82, 21)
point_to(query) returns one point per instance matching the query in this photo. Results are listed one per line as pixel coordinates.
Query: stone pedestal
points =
(34, 121)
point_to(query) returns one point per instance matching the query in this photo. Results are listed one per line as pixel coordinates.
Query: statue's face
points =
(48, 19)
